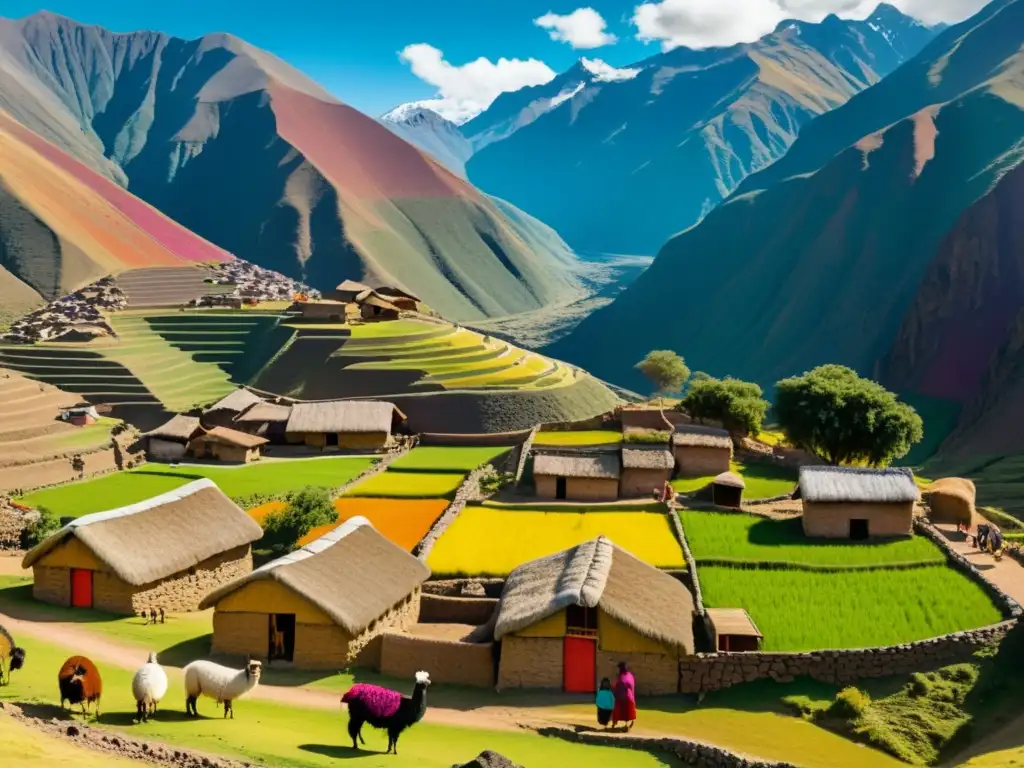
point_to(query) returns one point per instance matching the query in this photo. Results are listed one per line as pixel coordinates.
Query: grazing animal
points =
(385, 709)
(148, 687)
(11, 656)
(221, 683)
(80, 683)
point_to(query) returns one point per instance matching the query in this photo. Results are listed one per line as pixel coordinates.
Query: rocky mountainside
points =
(886, 240)
(427, 130)
(252, 155)
(619, 165)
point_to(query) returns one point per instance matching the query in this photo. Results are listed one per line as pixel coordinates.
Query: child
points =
(605, 702)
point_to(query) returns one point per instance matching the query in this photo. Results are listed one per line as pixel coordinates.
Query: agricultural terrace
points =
(763, 481)
(492, 540)
(403, 521)
(269, 478)
(801, 610)
(431, 458)
(408, 485)
(736, 537)
(578, 438)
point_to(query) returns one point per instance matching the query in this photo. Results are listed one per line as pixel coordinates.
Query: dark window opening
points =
(859, 530)
(581, 620)
(560, 491)
(332, 439)
(282, 637)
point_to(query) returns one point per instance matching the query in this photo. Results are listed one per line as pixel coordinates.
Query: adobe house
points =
(352, 424)
(732, 630)
(566, 620)
(223, 412)
(266, 420)
(81, 415)
(168, 552)
(644, 469)
(374, 307)
(170, 441)
(577, 476)
(325, 311)
(224, 444)
(398, 297)
(857, 503)
(727, 490)
(347, 291)
(322, 606)
(701, 451)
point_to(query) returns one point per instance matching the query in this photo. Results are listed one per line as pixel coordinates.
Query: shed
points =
(323, 606)
(168, 552)
(325, 311)
(347, 290)
(265, 419)
(701, 451)
(80, 415)
(727, 490)
(566, 620)
(645, 469)
(950, 500)
(577, 476)
(857, 503)
(223, 412)
(732, 629)
(169, 441)
(353, 424)
(374, 307)
(401, 299)
(224, 444)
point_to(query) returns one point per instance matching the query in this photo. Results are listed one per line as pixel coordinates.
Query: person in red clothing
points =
(625, 697)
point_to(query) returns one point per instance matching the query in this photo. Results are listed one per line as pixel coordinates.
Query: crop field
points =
(494, 540)
(402, 521)
(805, 610)
(267, 478)
(409, 485)
(444, 458)
(581, 437)
(763, 481)
(748, 538)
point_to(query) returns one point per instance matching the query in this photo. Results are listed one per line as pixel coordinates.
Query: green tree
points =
(665, 369)
(739, 405)
(308, 509)
(38, 526)
(842, 418)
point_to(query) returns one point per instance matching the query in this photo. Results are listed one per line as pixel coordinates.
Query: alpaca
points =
(80, 683)
(386, 709)
(148, 687)
(221, 683)
(11, 656)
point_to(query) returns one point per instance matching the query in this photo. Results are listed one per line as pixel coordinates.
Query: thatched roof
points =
(353, 574)
(840, 485)
(237, 401)
(233, 437)
(342, 416)
(161, 536)
(733, 621)
(394, 290)
(352, 286)
(598, 574)
(647, 458)
(178, 428)
(695, 436)
(265, 413)
(604, 466)
(730, 479)
(956, 487)
(375, 300)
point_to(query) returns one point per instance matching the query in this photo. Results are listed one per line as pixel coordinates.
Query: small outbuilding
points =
(950, 500)
(347, 291)
(644, 469)
(224, 411)
(353, 424)
(701, 451)
(323, 606)
(166, 552)
(727, 490)
(732, 630)
(170, 441)
(566, 620)
(400, 298)
(857, 503)
(225, 444)
(374, 307)
(325, 311)
(80, 415)
(266, 420)
(577, 476)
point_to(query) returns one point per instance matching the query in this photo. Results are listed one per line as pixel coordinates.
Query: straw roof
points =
(178, 428)
(597, 574)
(353, 574)
(156, 538)
(840, 485)
(237, 401)
(606, 466)
(730, 479)
(375, 300)
(733, 621)
(647, 458)
(233, 437)
(956, 487)
(695, 436)
(352, 286)
(394, 290)
(342, 416)
(265, 412)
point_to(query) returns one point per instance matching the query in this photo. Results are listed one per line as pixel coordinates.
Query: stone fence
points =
(467, 491)
(524, 454)
(691, 563)
(448, 661)
(446, 609)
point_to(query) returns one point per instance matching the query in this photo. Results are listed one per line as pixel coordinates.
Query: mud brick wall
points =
(656, 673)
(530, 662)
(447, 661)
(439, 609)
(185, 590)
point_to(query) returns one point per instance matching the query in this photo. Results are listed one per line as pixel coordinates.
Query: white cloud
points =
(604, 72)
(705, 23)
(583, 28)
(466, 90)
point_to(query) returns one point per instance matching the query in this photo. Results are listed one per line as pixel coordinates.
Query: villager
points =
(981, 537)
(625, 697)
(605, 702)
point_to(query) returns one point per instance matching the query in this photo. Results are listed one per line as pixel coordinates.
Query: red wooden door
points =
(81, 588)
(579, 661)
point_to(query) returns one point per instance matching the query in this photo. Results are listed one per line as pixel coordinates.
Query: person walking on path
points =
(625, 697)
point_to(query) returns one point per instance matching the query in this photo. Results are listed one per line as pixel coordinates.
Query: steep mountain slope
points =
(254, 156)
(427, 130)
(621, 166)
(828, 264)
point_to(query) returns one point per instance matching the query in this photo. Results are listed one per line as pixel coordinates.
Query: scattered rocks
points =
(75, 317)
(250, 284)
(489, 759)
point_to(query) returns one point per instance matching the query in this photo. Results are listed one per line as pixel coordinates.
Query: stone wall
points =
(701, 461)
(524, 454)
(448, 661)
(691, 563)
(185, 590)
(440, 609)
(465, 587)
(468, 490)
(656, 674)
(11, 525)
(530, 662)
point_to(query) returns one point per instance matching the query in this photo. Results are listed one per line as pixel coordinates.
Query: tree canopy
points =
(739, 405)
(843, 418)
(308, 509)
(665, 369)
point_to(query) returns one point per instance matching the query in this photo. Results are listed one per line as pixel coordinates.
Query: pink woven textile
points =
(381, 702)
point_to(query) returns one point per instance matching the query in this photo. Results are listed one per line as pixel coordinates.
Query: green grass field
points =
(763, 481)
(263, 479)
(749, 538)
(409, 485)
(804, 610)
(437, 458)
(582, 437)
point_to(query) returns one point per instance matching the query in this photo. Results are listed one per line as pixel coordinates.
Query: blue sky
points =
(353, 48)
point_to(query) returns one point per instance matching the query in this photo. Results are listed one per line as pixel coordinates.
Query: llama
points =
(217, 682)
(11, 656)
(148, 687)
(385, 709)
(80, 683)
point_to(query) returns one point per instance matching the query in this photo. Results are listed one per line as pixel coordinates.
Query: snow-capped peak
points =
(606, 73)
(403, 112)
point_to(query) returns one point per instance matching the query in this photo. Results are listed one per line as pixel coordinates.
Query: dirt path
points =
(1007, 574)
(10, 565)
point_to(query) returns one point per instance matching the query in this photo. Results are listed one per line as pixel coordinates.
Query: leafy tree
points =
(842, 418)
(739, 405)
(308, 509)
(38, 526)
(665, 369)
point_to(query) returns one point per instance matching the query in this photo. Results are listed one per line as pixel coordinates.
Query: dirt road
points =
(1007, 574)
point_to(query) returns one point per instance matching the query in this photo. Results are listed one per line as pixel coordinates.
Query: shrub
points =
(38, 526)
(849, 703)
(492, 481)
(308, 509)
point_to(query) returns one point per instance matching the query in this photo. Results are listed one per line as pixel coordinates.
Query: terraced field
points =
(157, 287)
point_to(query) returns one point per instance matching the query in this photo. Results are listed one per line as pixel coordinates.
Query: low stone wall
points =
(493, 438)
(524, 454)
(713, 671)
(447, 661)
(468, 490)
(466, 587)
(691, 563)
(442, 609)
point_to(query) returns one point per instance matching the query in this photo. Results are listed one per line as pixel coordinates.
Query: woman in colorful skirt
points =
(625, 697)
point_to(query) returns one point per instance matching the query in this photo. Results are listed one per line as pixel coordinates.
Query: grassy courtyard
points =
(408, 485)
(763, 481)
(446, 458)
(580, 437)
